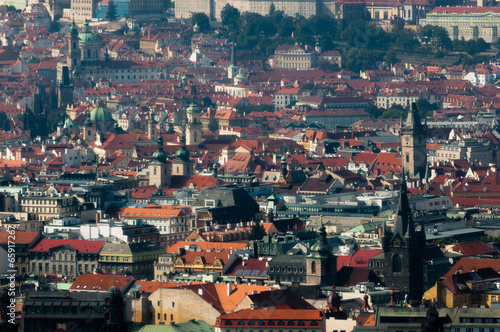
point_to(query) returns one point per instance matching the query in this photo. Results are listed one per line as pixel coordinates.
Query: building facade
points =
(470, 23)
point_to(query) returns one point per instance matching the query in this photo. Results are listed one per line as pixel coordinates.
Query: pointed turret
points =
(232, 69)
(321, 249)
(403, 224)
(284, 167)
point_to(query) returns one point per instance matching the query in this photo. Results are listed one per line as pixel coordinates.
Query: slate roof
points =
(226, 196)
(351, 276)
(129, 248)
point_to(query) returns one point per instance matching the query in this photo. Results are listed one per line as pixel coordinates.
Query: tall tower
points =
(182, 165)
(88, 130)
(74, 54)
(321, 262)
(233, 68)
(413, 149)
(160, 169)
(193, 127)
(404, 251)
(65, 89)
(152, 126)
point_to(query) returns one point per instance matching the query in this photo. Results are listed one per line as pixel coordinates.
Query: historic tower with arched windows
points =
(321, 263)
(193, 126)
(401, 264)
(413, 149)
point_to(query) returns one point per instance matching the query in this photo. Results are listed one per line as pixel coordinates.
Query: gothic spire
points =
(403, 223)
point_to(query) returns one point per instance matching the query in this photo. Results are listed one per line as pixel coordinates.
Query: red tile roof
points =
(82, 246)
(242, 318)
(101, 282)
(20, 237)
(475, 248)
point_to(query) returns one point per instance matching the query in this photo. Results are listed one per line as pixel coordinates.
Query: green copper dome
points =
(283, 159)
(86, 36)
(240, 74)
(183, 154)
(79, 142)
(321, 249)
(160, 156)
(100, 113)
(193, 108)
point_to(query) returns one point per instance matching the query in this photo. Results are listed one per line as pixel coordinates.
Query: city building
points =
(466, 149)
(470, 23)
(136, 259)
(64, 257)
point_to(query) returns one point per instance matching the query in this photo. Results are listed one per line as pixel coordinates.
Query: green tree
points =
(167, 4)
(374, 111)
(213, 125)
(390, 57)
(272, 9)
(436, 36)
(229, 17)
(111, 11)
(257, 232)
(202, 20)
(327, 65)
(425, 108)
(4, 122)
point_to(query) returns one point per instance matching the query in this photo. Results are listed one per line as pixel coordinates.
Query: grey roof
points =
(128, 248)
(227, 196)
(288, 260)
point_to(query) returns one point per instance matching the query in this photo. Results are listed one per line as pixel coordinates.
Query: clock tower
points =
(413, 149)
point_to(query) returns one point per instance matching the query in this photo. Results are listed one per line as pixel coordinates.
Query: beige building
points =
(469, 149)
(64, 257)
(470, 23)
(82, 10)
(213, 8)
(388, 99)
(302, 57)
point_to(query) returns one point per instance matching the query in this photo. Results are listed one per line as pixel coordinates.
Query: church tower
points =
(65, 89)
(403, 251)
(160, 169)
(233, 68)
(182, 165)
(152, 126)
(193, 128)
(321, 262)
(413, 149)
(88, 130)
(74, 54)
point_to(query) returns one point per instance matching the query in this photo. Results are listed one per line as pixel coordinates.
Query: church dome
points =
(86, 36)
(193, 108)
(160, 155)
(100, 113)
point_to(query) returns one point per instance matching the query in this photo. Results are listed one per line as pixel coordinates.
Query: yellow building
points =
(135, 258)
(194, 261)
(471, 289)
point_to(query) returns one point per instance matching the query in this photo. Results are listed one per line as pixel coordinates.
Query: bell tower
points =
(404, 251)
(321, 262)
(160, 169)
(413, 148)
(74, 54)
(152, 126)
(193, 127)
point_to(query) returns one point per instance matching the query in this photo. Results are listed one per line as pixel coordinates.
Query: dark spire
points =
(413, 120)
(233, 57)
(403, 224)
(284, 166)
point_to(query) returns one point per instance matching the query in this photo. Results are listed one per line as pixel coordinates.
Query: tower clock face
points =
(396, 243)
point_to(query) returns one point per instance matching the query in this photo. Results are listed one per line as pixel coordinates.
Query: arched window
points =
(88, 53)
(313, 267)
(396, 263)
(154, 171)
(407, 158)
